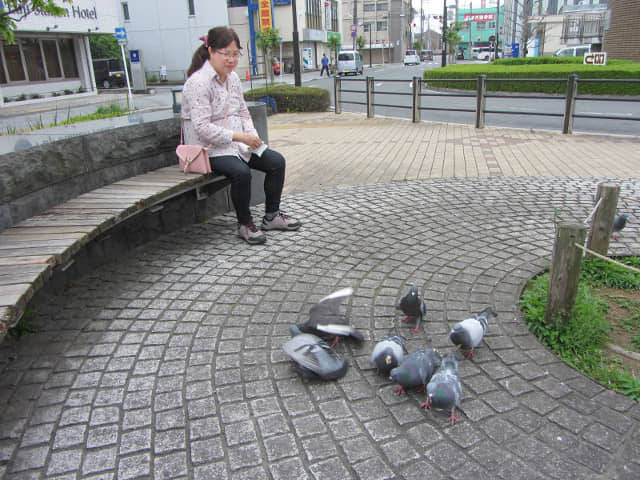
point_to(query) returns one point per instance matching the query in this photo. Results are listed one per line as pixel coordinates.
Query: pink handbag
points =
(193, 158)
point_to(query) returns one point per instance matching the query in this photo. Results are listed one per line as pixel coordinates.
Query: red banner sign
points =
(264, 11)
(479, 17)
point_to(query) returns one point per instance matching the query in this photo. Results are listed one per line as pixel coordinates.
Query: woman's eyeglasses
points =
(234, 55)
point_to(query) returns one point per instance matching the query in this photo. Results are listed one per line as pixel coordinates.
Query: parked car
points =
(573, 51)
(411, 57)
(350, 61)
(426, 55)
(109, 72)
(459, 54)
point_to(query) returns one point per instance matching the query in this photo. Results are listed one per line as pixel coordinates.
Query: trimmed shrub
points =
(550, 73)
(293, 99)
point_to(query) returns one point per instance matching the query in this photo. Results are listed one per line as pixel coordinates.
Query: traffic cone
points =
(247, 76)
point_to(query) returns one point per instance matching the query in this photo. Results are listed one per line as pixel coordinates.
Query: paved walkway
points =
(168, 362)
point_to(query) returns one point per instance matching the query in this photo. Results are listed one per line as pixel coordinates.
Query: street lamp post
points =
(296, 46)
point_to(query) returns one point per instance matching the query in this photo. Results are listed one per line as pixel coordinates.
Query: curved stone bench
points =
(75, 203)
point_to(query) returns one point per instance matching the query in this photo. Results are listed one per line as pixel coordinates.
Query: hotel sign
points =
(264, 12)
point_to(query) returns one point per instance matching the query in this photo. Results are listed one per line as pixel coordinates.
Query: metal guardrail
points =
(481, 95)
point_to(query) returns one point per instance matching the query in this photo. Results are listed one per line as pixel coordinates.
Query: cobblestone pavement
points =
(167, 363)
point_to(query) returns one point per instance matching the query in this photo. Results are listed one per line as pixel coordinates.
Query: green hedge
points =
(553, 69)
(293, 99)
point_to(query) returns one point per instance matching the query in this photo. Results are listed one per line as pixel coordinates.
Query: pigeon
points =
(313, 357)
(388, 353)
(415, 370)
(325, 319)
(468, 334)
(618, 224)
(412, 306)
(444, 390)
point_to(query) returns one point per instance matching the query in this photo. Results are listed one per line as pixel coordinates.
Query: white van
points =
(482, 53)
(573, 51)
(350, 61)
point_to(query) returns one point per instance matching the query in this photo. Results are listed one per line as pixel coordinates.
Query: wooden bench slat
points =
(27, 260)
(21, 274)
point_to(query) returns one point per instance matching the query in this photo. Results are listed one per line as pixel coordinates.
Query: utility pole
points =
(296, 46)
(355, 22)
(444, 35)
(497, 28)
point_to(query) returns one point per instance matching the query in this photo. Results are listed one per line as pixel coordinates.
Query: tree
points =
(12, 11)
(104, 46)
(453, 39)
(360, 42)
(267, 40)
(334, 43)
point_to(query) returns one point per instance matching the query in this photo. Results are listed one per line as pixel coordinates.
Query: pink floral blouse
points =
(205, 99)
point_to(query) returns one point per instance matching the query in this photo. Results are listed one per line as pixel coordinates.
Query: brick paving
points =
(167, 363)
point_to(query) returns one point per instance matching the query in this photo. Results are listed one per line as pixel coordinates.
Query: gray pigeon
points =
(325, 318)
(313, 357)
(468, 334)
(388, 353)
(618, 224)
(415, 370)
(412, 306)
(444, 390)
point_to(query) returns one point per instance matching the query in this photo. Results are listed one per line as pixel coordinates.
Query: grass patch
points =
(24, 326)
(581, 341)
(110, 111)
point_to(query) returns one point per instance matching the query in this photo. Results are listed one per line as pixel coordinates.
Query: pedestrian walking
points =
(325, 64)
(215, 114)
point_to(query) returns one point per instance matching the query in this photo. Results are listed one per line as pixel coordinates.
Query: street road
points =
(393, 98)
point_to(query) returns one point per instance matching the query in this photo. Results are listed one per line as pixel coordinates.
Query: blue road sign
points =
(134, 56)
(121, 33)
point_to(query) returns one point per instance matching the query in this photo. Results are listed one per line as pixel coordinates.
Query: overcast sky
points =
(435, 7)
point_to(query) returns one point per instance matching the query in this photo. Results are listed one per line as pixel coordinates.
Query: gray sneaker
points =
(251, 234)
(280, 222)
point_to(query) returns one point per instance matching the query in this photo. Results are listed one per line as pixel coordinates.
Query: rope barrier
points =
(631, 198)
(593, 212)
(585, 249)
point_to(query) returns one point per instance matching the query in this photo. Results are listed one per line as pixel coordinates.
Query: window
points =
(382, 6)
(37, 60)
(313, 16)
(369, 7)
(192, 7)
(480, 25)
(33, 59)
(125, 11)
(237, 3)
(13, 57)
(51, 59)
(68, 56)
(334, 16)
(381, 27)
(369, 27)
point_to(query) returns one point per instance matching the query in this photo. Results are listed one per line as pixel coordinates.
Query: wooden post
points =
(337, 89)
(565, 271)
(605, 215)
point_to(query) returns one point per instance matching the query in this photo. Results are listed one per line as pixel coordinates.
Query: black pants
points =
(325, 68)
(239, 172)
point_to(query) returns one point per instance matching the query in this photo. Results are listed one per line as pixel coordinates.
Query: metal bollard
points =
(481, 100)
(417, 88)
(336, 92)
(370, 97)
(570, 103)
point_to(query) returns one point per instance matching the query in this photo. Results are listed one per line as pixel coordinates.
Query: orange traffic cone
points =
(247, 76)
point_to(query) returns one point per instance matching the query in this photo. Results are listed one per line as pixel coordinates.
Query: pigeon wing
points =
(326, 311)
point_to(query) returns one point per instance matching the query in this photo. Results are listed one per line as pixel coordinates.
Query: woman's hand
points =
(252, 141)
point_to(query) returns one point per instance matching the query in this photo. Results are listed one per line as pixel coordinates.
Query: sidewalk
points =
(167, 363)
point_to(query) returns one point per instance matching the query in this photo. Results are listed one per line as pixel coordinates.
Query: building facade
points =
(51, 55)
(385, 26)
